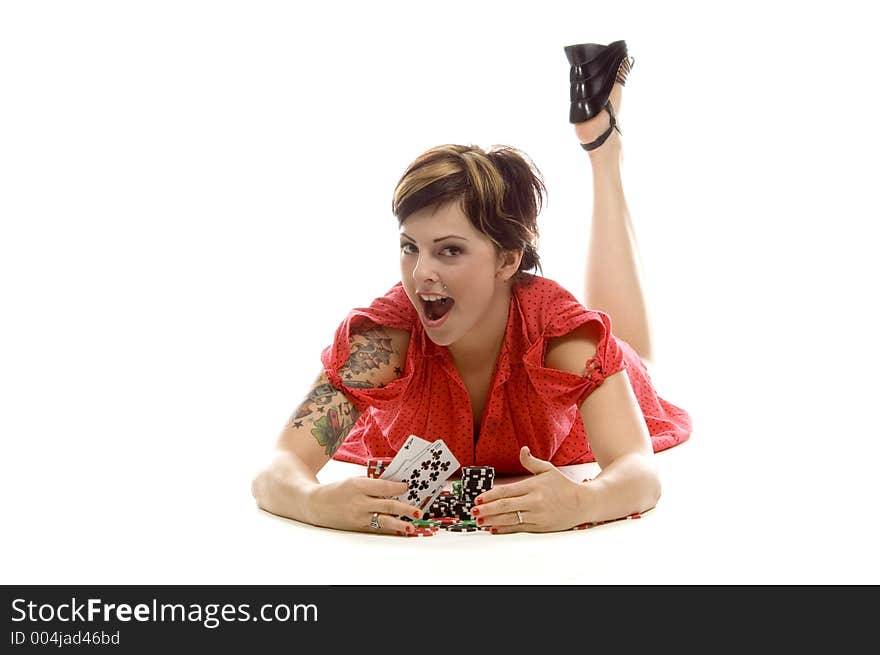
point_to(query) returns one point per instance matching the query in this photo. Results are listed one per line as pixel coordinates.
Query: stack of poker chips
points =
(430, 527)
(447, 505)
(474, 481)
(376, 466)
(452, 510)
(448, 512)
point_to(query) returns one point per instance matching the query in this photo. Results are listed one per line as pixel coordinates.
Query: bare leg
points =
(613, 272)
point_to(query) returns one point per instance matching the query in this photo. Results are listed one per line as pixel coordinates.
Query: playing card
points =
(426, 474)
(407, 453)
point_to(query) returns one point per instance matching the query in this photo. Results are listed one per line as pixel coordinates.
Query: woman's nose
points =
(424, 271)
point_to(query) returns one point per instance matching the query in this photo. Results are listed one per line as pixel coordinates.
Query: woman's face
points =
(442, 248)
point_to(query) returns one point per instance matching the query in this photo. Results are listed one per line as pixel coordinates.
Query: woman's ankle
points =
(607, 157)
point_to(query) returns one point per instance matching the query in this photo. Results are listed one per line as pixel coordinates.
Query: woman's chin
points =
(440, 336)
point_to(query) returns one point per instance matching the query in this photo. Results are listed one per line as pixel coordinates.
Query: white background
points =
(194, 194)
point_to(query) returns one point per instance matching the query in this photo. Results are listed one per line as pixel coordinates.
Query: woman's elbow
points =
(656, 491)
(257, 486)
(652, 486)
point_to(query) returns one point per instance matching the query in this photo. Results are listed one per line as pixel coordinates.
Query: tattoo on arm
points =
(369, 352)
(332, 423)
(331, 429)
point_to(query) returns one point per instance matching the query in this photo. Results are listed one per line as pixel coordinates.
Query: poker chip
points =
(460, 527)
(476, 476)
(467, 471)
(587, 526)
(421, 532)
(376, 466)
(423, 523)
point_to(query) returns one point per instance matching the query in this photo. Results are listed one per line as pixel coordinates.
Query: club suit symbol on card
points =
(427, 473)
(424, 466)
(407, 453)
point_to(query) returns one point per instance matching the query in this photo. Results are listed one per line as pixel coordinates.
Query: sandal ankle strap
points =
(598, 142)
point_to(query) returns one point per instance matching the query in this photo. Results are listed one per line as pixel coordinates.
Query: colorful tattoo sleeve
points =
(330, 414)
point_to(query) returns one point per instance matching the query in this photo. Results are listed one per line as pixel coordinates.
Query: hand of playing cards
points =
(425, 467)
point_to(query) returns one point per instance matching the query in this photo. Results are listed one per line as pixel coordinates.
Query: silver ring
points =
(374, 521)
(519, 517)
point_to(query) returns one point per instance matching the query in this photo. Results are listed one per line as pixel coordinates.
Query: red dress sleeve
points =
(562, 314)
(394, 309)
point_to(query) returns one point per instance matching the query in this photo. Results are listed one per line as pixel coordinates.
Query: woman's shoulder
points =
(569, 332)
(386, 323)
(380, 350)
(392, 310)
(373, 339)
(544, 302)
(381, 338)
(538, 289)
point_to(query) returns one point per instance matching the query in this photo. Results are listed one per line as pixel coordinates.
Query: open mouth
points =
(437, 309)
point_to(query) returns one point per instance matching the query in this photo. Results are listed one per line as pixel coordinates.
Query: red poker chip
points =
(585, 526)
(421, 532)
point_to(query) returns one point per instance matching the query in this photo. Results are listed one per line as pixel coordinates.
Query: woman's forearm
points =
(628, 485)
(284, 487)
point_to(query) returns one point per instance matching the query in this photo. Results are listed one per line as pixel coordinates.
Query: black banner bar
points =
(130, 619)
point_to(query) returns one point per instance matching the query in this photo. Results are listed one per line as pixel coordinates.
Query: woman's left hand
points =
(547, 502)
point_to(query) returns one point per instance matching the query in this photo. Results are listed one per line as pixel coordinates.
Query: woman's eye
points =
(452, 250)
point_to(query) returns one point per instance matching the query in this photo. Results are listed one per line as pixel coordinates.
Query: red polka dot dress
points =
(527, 404)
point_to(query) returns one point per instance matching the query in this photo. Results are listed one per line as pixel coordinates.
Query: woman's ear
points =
(508, 263)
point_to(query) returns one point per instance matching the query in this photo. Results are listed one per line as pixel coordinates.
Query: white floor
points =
(706, 529)
(712, 525)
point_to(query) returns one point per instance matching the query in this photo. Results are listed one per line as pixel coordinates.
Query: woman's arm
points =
(628, 483)
(302, 450)
(288, 485)
(619, 437)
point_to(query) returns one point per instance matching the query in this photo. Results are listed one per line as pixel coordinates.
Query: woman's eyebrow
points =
(448, 236)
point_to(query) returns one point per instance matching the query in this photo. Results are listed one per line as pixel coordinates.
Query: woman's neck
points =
(478, 350)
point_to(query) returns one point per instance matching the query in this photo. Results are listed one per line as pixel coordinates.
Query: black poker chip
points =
(458, 527)
(469, 470)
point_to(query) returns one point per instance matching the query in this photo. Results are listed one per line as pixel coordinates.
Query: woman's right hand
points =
(349, 505)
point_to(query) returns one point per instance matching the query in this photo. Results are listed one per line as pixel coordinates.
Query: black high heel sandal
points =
(594, 70)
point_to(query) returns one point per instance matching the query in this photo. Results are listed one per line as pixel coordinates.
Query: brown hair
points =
(501, 192)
